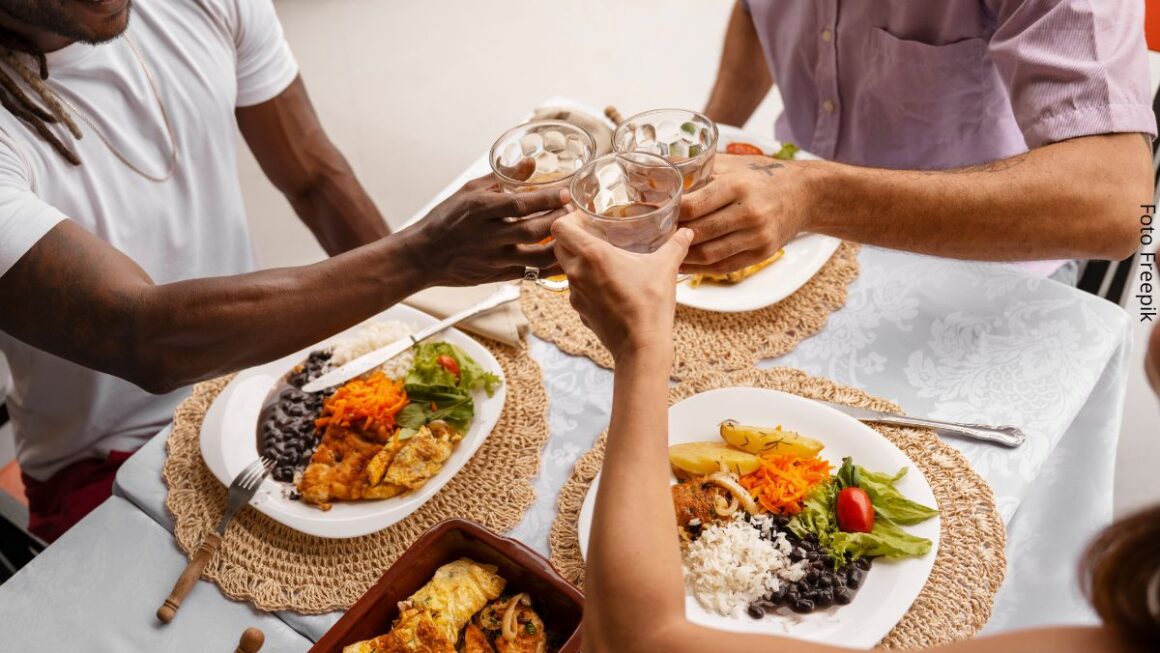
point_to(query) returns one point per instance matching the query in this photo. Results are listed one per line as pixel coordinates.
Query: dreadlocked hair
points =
(14, 51)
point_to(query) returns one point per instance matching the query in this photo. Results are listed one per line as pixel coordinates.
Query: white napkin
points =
(505, 324)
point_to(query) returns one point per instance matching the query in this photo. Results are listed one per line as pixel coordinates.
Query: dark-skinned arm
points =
(77, 297)
(743, 78)
(300, 160)
(1078, 198)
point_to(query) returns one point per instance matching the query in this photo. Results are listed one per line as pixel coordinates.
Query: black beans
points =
(288, 434)
(803, 606)
(854, 577)
(755, 611)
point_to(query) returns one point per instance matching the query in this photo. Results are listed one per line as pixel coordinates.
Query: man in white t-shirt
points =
(125, 261)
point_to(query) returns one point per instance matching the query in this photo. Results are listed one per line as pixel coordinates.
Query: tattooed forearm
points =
(767, 168)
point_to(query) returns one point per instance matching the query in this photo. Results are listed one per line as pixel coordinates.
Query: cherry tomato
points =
(855, 512)
(743, 148)
(448, 363)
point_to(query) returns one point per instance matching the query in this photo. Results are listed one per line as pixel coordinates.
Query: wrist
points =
(404, 270)
(651, 354)
(818, 181)
(411, 248)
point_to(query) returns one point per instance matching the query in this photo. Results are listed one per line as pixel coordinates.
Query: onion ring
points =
(739, 493)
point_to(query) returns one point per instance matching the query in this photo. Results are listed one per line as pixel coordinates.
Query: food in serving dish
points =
(462, 608)
(377, 436)
(767, 525)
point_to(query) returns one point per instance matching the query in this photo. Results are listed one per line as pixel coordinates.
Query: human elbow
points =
(1117, 216)
(150, 372)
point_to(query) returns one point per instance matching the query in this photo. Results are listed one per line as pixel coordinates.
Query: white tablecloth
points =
(962, 341)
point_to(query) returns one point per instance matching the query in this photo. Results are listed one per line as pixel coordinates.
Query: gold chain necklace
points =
(164, 116)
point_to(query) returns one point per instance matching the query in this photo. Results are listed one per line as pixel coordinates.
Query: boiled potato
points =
(761, 440)
(700, 458)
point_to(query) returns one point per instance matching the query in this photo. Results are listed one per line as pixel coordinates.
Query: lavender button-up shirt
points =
(930, 84)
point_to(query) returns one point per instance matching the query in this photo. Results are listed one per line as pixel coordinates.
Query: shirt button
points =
(827, 35)
(828, 105)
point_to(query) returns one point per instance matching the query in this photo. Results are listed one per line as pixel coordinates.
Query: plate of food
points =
(770, 281)
(354, 459)
(793, 518)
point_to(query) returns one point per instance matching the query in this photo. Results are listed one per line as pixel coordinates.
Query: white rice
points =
(730, 566)
(371, 337)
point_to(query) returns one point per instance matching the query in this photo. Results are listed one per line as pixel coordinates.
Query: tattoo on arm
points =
(767, 169)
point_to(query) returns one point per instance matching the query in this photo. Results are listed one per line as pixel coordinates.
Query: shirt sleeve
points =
(24, 217)
(265, 64)
(1073, 67)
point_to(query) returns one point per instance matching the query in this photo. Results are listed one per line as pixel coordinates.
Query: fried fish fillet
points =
(349, 467)
(736, 276)
(420, 458)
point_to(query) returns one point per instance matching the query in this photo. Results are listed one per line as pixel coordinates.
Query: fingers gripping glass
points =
(538, 155)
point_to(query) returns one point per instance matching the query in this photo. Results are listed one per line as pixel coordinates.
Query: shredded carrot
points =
(367, 404)
(782, 481)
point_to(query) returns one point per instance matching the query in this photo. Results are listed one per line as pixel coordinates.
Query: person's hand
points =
(627, 299)
(751, 207)
(480, 235)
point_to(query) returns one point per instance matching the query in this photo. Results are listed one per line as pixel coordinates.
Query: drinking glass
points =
(630, 199)
(686, 138)
(538, 155)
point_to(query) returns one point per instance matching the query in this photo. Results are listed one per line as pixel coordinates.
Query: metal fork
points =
(241, 491)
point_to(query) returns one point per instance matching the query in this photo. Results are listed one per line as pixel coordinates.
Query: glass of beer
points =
(686, 138)
(538, 155)
(630, 199)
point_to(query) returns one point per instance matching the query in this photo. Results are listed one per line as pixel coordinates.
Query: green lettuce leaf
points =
(437, 394)
(787, 152)
(886, 539)
(427, 372)
(889, 502)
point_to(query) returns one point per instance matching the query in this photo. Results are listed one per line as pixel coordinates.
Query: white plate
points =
(890, 587)
(804, 256)
(229, 441)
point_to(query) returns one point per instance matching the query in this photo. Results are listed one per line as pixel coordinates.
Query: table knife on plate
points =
(241, 491)
(368, 362)
(1007, 436)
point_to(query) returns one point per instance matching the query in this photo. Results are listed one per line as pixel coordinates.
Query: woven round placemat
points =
(969, 566)
(708, 341)
(277, 568)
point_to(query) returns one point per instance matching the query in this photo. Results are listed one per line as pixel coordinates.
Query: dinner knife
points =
(1007, 436)
(367, 362)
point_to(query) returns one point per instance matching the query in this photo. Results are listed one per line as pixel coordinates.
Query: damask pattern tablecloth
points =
(969, 342)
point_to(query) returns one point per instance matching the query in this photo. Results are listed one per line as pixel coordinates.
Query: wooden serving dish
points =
(557, 601)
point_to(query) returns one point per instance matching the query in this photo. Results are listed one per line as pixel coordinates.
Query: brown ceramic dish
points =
(558, 603)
